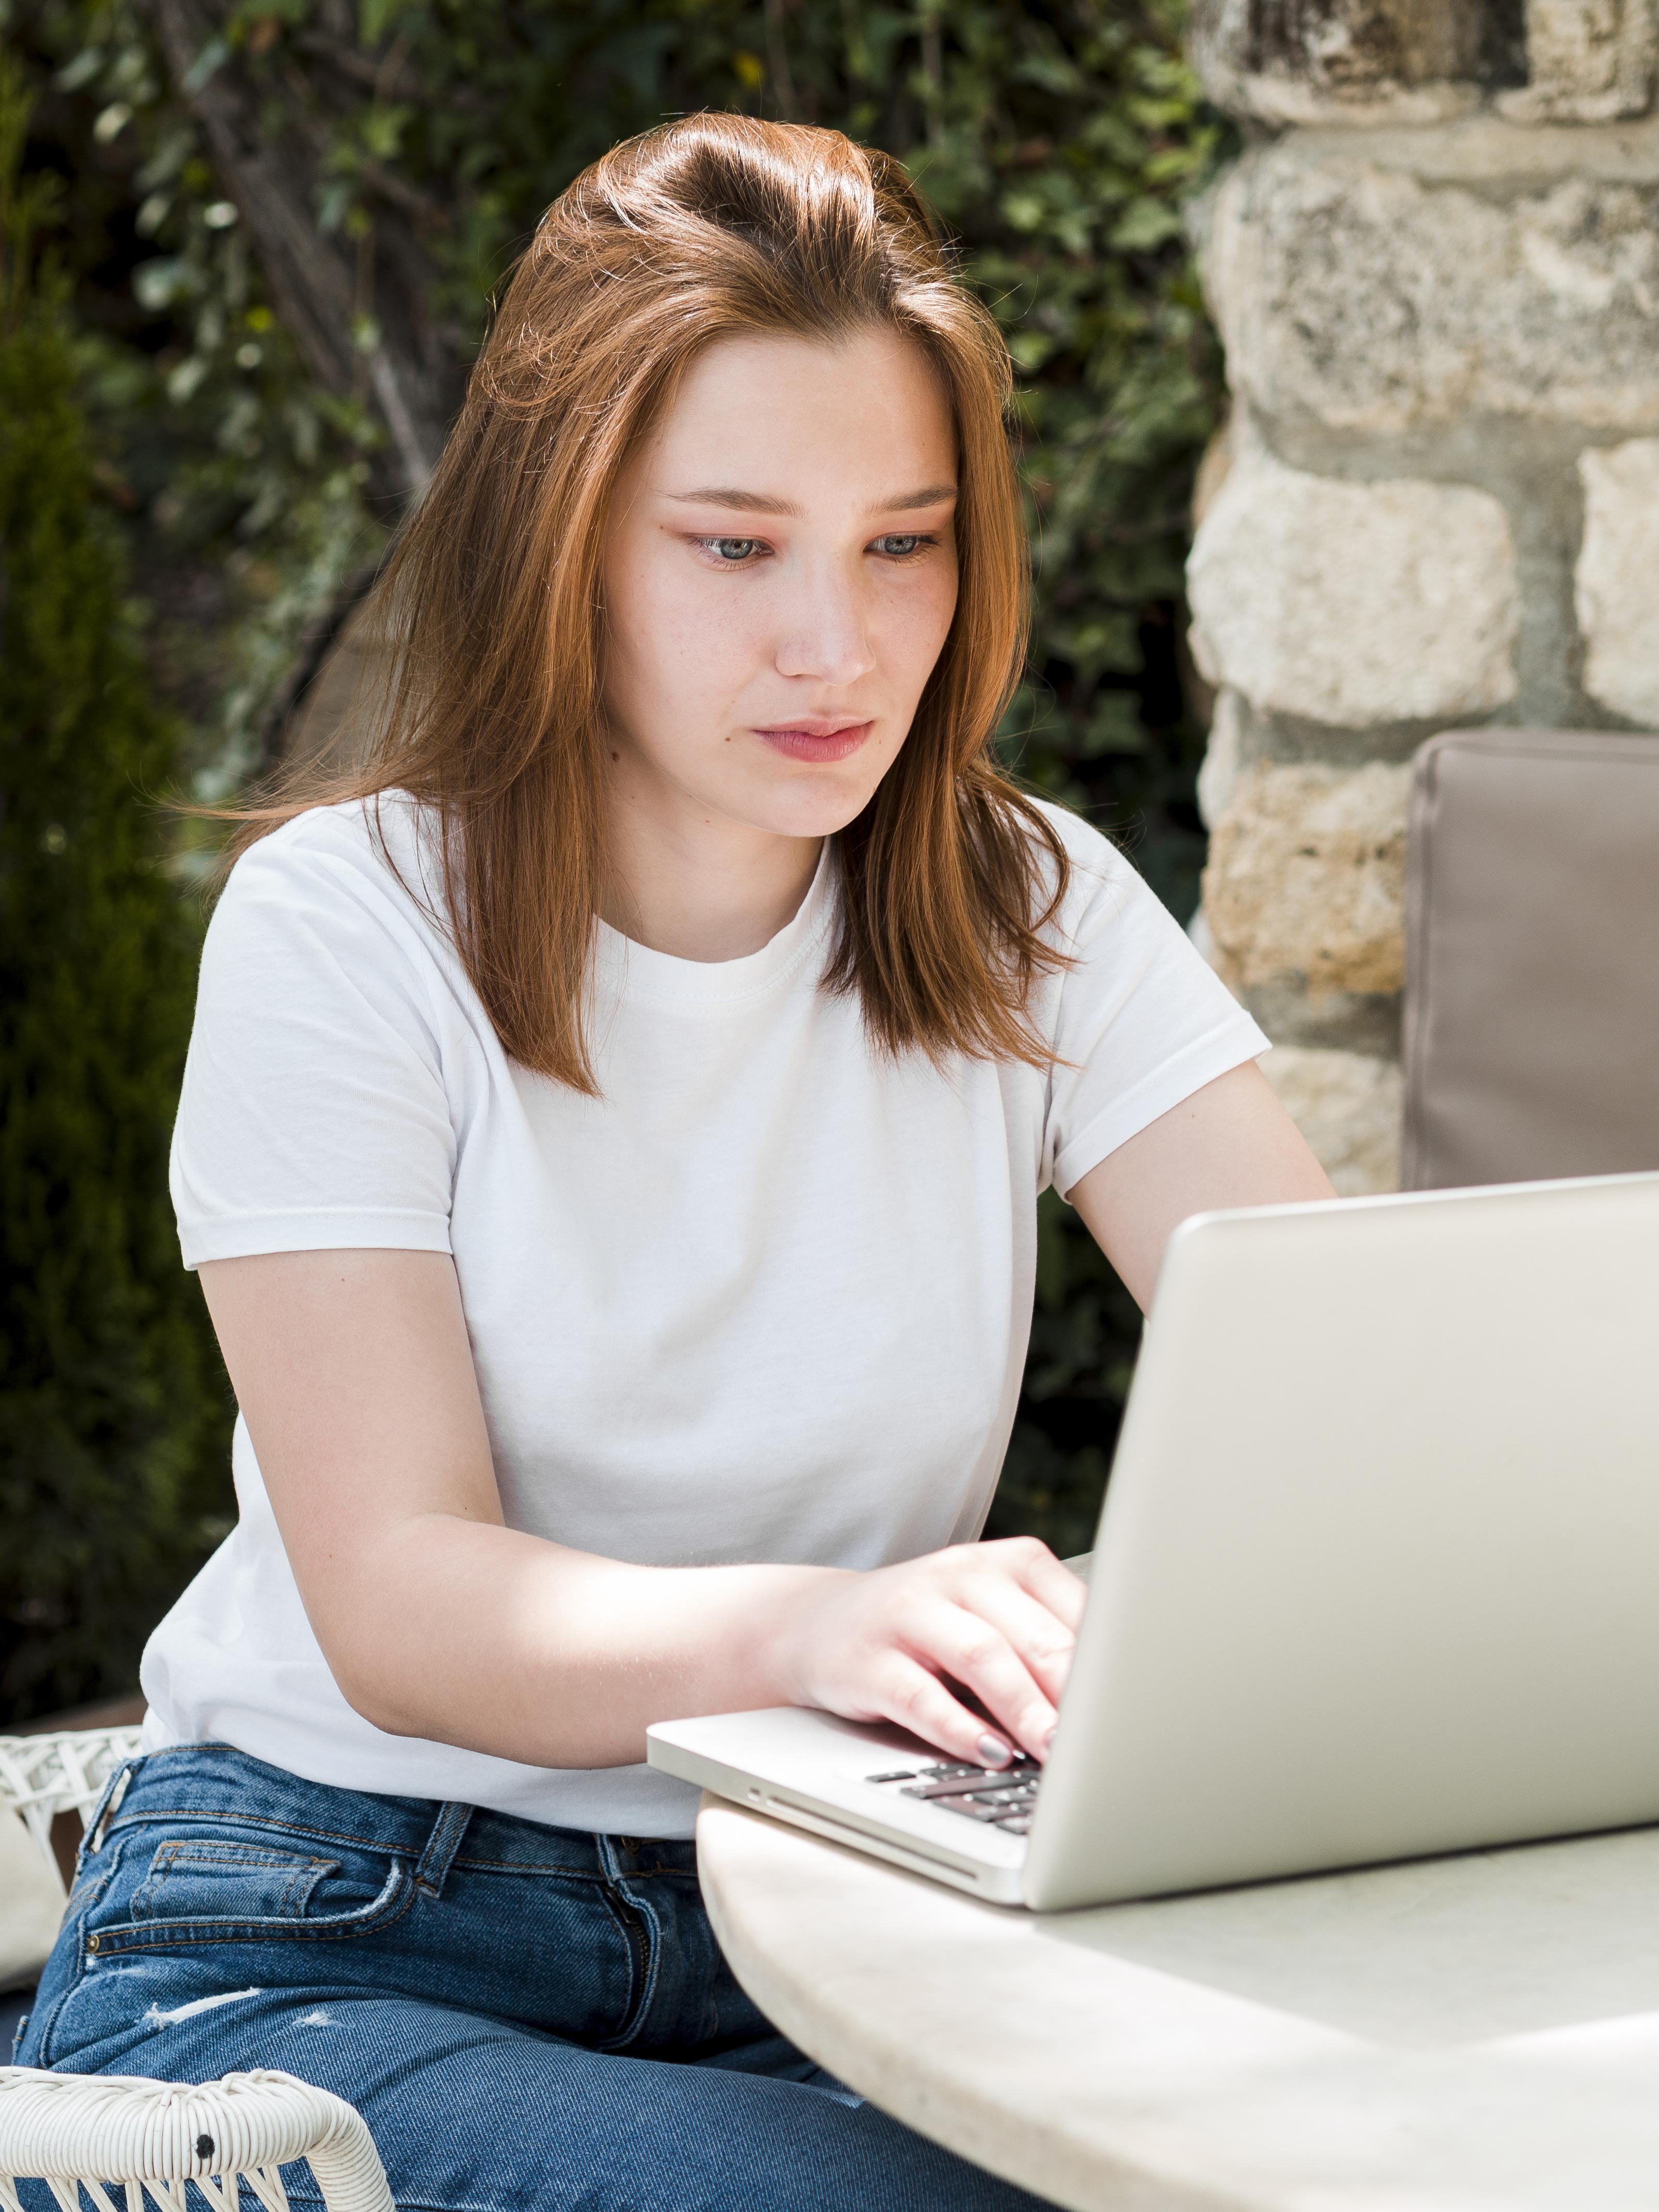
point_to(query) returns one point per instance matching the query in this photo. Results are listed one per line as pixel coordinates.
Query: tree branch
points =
(270, 155)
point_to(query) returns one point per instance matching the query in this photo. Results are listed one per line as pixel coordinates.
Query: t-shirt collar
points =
(636, 971)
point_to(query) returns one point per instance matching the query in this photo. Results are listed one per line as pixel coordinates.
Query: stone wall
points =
(1436, 271)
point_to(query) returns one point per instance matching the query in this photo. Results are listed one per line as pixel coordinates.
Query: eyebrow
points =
(758, 502)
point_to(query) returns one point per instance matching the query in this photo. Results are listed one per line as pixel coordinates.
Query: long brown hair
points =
(491, 714)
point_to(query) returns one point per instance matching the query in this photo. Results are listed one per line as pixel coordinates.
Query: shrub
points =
(113, 1411)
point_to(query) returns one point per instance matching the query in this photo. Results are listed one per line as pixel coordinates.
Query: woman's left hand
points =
(998, 1621)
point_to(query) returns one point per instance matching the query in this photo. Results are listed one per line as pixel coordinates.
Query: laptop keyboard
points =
(1004, 1797)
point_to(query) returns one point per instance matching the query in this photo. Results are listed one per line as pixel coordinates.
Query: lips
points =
(816, 737)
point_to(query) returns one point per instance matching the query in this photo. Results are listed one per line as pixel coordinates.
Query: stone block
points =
(1365, 1022)
(1588, 61)
(1616, 588)
(1349, 1108)
(1346, 61)
(1354, 603)
(1354, 294)
(1222, 759)
(1307, 878)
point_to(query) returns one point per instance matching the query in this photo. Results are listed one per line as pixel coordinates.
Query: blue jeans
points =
(524, 2015)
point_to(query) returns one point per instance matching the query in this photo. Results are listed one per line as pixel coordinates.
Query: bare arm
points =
(1231, 1143)
(354, 1374)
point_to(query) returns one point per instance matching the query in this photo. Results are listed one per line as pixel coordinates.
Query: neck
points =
(702, 889)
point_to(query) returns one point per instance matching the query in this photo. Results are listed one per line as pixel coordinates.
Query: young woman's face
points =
(780, 578)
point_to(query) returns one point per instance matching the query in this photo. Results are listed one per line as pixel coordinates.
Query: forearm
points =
(473, 1634)
(354, 1374)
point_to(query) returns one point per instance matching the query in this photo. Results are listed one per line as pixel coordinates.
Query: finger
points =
(1040, 1638)
(974, 1652)
(906, 1692)
(1028, 1561)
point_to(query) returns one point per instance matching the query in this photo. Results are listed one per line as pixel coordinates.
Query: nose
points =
(823, 634)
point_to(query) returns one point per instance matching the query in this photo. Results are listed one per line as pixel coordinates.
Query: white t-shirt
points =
(767, 1299)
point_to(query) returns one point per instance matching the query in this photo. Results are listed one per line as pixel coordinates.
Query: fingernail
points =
(993, 1751)
(1048, 1740)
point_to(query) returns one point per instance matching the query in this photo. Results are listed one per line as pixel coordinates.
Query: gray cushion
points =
(1532, 991)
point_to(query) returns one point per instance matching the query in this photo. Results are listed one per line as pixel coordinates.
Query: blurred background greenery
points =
(249, 250)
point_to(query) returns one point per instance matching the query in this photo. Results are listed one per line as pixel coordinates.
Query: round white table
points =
(1474, 2034)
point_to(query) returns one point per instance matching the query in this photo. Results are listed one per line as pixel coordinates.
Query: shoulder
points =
(1101, 882)
(347, 896)
(1090, 851)
(375, 837)
(379, 855)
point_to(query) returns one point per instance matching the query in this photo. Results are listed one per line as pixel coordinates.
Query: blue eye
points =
(732, 549)
(900, 545)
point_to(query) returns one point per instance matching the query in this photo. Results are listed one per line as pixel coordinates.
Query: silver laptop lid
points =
(1378, 1569)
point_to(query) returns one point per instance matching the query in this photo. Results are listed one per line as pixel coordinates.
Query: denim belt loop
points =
(441, 1846)
(109, 1804)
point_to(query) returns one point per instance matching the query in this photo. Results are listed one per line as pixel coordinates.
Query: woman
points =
(611, 1146)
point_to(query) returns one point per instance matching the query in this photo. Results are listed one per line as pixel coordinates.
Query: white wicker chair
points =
(88, 2131)
(77, 2131)
(42, 1776)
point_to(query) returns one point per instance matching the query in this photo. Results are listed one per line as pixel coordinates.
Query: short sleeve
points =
(313, 1114)
(1142, 1020)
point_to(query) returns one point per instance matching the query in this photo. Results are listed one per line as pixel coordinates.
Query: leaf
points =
(211, 58)
(378, 19)
(1145, 225)
(156, 284)
(81, 70)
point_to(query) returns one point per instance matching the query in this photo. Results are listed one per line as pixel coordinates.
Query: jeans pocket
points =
(217, 1879)
(199, 1889)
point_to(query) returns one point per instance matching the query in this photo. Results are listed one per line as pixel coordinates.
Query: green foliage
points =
(1058, 139)
(242, 483)
(112, 1417)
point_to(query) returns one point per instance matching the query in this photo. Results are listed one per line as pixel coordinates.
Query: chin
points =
(812, 801)
(810, 812)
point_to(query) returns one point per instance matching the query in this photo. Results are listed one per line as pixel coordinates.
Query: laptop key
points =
(957, 1785)
(1020, 1765)
(1007, 1806)
(957, 1781)
(980, 1804)
(1003, 1797)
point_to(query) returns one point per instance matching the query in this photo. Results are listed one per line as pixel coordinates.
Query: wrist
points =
(784, 1638)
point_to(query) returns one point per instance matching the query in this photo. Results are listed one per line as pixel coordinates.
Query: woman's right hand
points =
(999, 1621)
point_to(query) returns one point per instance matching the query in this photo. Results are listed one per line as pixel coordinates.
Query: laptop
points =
(1377, 1575)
